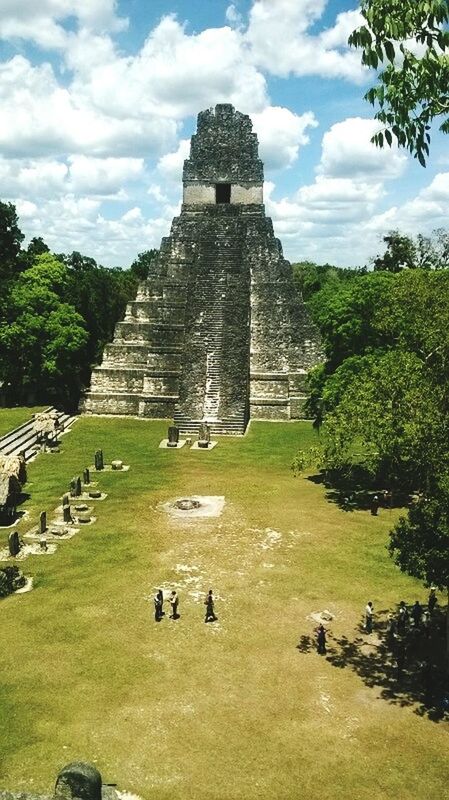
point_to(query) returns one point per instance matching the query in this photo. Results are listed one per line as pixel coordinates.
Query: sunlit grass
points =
(184, 710)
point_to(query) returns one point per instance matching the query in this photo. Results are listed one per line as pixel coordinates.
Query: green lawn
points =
(11, 418)
(226, 711)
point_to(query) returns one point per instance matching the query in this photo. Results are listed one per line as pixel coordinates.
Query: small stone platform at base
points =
(164, 445)
(107, 468)
(210, 446)
(209, 506)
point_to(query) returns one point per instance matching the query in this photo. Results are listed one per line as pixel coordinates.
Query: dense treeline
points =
(57, 312)
(381, 397)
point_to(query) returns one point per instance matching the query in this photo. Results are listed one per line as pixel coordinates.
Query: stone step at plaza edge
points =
(217, 332)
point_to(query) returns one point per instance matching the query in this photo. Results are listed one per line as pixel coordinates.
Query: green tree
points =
(424, 252)
(100, 295)
(383, 391)
(414, 317)
(310, 278)
(401, 253)
(387, 420)
(419, 543)
(413, 88)
(144, 263)
(11, 238)
(42, 339)
(345, 314)
(36, 248)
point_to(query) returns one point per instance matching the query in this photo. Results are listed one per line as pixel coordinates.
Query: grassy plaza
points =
(225, 711)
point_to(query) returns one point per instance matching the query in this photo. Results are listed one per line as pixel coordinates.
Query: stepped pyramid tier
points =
(217, 332)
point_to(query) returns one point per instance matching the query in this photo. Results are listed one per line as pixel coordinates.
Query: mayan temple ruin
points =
(217, 332)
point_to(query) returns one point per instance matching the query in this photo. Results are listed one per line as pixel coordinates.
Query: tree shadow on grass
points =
(408, 669)
(356, 492)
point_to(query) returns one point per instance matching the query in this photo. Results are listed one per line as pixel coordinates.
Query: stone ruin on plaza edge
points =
(217, 332)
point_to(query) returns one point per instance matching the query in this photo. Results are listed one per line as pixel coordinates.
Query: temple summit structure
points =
(217, 332)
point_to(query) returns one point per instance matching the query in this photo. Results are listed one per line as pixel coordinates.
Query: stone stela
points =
(75, 487)
(217, 333)
(42, 522)
(173, 436)
(204, 436)
(13, 544)
(66, 511)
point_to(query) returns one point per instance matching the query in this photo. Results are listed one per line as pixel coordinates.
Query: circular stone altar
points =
(193, 507)
(187, 504)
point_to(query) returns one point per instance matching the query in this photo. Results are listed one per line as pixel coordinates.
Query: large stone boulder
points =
(78, 780)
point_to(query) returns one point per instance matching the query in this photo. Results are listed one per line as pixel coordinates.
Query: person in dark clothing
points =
(321, 640)
(375, 505)
(158, 606)
(432, 601)
(209, 603)
(416, 613)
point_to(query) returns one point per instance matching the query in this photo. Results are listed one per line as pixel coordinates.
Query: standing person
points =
(161, 601)
(369, 611)
(391, 631)
(209, 603)
(402, 617)
(432, 601)
(158, 606)
(174, 602)
(321, 640)
(400, 660)
(416, 613)
(375, 505)
(426, 624)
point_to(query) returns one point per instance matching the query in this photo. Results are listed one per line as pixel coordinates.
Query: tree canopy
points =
(56, 314)
(382, 395)
(411, 39)
(42, 338)
(419, 543)
(11, 238)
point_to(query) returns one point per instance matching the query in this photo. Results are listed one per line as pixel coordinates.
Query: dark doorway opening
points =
(222, 192)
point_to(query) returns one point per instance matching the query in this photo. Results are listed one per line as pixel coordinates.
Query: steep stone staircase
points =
(212, 301)
(24, 438)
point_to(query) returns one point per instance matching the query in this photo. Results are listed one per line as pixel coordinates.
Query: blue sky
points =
(98, 100)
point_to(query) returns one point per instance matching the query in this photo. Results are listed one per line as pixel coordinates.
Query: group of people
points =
(418, 616)
(159, 605)
(174, 605)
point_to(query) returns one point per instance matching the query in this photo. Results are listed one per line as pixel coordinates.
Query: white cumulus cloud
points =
(281, 133)
(42, 21)
(280, 41)
(348, 152)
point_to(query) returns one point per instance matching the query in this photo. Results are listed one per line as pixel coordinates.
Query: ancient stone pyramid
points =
(217, 333)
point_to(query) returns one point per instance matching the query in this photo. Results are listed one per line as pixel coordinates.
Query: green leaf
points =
(389, 50)
(421, 158)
